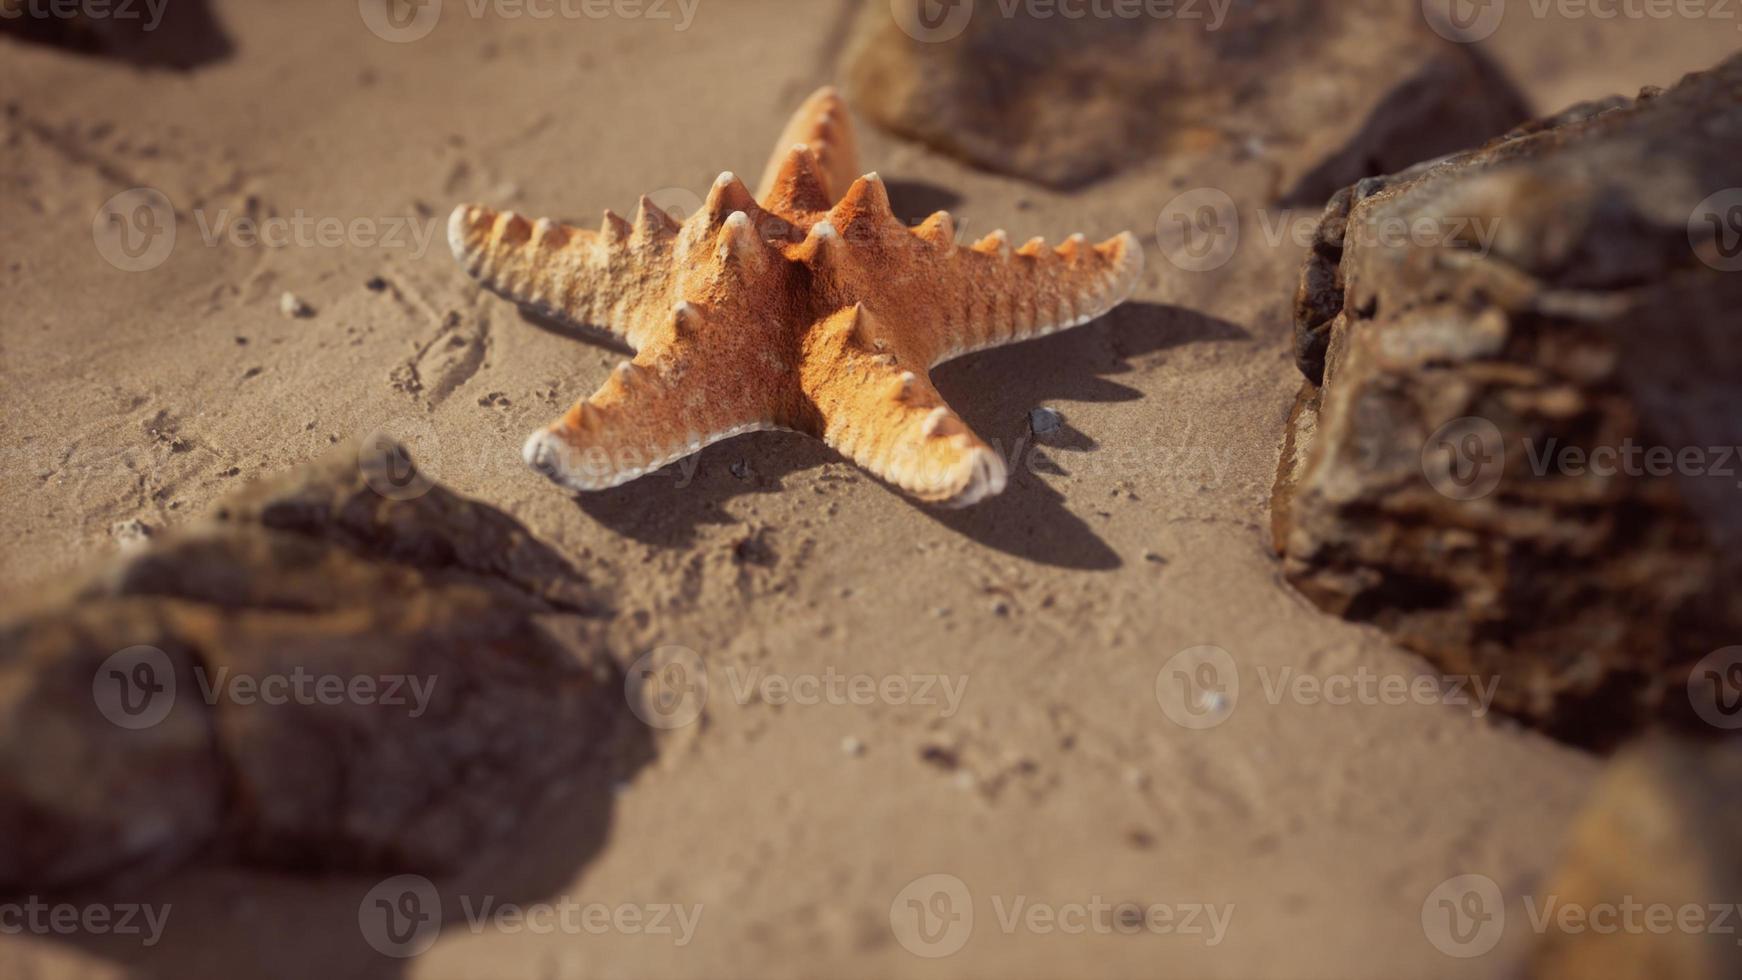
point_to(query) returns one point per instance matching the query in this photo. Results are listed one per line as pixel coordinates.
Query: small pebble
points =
(376, 284)
(131, 534)
(741, 470)
(1044, 421)
(852, 746)
(293, 307)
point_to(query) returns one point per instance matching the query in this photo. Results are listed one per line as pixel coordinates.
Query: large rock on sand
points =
(345, 667)
(1060, 94)
(1649, 884)
(1521, 460)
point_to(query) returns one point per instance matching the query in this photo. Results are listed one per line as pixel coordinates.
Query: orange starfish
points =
(814, 310)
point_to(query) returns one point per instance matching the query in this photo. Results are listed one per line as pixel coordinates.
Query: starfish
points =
(807, 307)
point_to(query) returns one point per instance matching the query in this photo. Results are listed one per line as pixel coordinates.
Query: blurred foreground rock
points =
(1522, 458)
(183, 34)
(1329, 92)
(1649, 886)
(318, 676)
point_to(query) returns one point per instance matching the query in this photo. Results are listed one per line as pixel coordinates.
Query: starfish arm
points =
(653, 410)
(991, 296)
(823, 126)
(892, 421)
(594, 280)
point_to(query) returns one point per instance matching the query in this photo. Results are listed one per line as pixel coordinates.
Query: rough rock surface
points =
(1338, 91)
(1474, 319)
(319, 676)
(1657, 851)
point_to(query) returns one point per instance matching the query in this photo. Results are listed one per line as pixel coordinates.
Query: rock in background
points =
(1657, 858)
(1472, 320)
(182, 34)
(452, 680)
(1341, 90)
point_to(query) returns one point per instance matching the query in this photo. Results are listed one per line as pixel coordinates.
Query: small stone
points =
(292, 307)
(852, 746)
(741, 470)
(131, 534)
(375, 284)
(1044, 421)
(1000, 607)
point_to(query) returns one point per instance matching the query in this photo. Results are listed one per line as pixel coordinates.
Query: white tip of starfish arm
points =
(976, 475)
(546, 452)
(469, 233)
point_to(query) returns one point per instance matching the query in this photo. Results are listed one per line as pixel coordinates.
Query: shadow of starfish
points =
(995, 390)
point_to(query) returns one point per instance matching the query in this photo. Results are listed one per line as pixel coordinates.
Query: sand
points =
(1056, 779)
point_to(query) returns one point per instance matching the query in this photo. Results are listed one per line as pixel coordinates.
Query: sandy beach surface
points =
(1017, 741)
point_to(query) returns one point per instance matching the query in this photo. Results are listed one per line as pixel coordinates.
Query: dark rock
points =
(320, 676)
(1473, 319)
(183, 34)
(1329, 92)
(1648, 885)
(1044, 421)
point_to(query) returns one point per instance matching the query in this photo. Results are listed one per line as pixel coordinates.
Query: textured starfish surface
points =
(808, 306)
